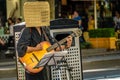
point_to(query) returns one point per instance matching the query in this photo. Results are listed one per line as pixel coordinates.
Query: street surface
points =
(102, 74)
(106, 67)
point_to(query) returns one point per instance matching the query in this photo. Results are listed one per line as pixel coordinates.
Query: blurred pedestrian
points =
(18, 20)
(3, 45)
(91, 22)
(2, 42)
(76, 17)
(117, 20)
(11, 22)
(10, 25)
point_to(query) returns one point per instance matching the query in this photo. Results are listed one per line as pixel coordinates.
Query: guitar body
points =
(30, 60)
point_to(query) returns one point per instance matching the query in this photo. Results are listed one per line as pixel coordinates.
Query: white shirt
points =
(11, 30)
(116, 20)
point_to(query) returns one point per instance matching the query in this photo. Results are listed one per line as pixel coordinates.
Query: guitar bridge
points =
(35, 57)
(32, 59)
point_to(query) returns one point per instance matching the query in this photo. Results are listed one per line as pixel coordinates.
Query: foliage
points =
(85, 45)
(102, 32)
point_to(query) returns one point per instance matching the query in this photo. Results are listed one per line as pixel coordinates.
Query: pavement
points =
(101, 60)
(102, 74)
(101, 65)
(9, 78)
(8, 69)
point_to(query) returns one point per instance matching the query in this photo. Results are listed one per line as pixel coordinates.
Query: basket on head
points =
(37, 14)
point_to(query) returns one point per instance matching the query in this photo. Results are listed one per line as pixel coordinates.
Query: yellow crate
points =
(108, 43)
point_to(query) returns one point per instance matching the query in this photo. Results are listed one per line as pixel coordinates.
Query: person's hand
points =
(38, 47)
(69, 42)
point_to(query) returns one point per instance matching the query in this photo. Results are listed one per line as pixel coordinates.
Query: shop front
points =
(103, 11)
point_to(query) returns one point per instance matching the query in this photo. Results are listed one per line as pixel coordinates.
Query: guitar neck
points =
(57, 44)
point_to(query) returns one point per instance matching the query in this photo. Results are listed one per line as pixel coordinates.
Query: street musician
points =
(35, 37)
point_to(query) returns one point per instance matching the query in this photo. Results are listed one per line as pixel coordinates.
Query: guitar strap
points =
(46, 37)
(47, 72)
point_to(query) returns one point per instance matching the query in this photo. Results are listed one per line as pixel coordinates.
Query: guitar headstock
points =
(77, 33)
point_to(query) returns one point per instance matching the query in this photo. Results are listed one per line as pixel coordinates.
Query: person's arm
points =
(52, 40)
(23, 44)
(80, 22)
(36, 48)
(2, 42)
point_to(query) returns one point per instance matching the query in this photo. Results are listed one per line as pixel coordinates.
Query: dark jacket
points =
(31, 37)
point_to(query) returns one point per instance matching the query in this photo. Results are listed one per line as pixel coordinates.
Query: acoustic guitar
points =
(30, 60)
